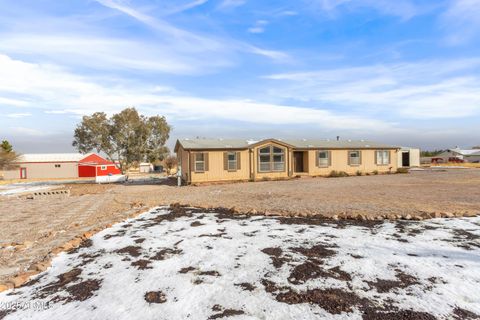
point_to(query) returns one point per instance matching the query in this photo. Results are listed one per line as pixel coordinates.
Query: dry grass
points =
(454, 164)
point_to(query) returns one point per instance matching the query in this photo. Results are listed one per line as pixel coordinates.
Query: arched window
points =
(271, 158)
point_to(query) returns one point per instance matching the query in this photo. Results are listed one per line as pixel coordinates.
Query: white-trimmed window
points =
(199, 162)
(323, 158)
(278, 159)
(103, 167)
(232, 161)
(383, 157)
(271, 159)
(354, 158)
(264, 159)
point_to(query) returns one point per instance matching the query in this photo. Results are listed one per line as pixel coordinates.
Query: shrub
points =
(358, 173)
(402, 170)
(337, 174)
(375, 172)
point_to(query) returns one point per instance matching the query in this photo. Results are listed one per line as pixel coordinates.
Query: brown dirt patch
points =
(166, 253)
(246, 286)
(186, 270)
(462, 314)
(318, 251)
(465, 239)
(63, 280)
(276, 256)
(212, 273)
(403, 281)
(155, 297)
(196, 224)
(310, 270)
(142, 264)
(224, 313)
(133, 251)
(334, 301)
(83, 290)
(374, 314)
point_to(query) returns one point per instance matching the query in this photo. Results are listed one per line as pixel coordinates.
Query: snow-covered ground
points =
(192, 264)
(19, 188)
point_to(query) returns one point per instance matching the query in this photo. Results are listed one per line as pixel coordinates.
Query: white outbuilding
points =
(145, 167)
(408, 157)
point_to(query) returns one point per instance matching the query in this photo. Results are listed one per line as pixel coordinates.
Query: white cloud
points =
(57, 91)
(428, 90)
(258, 27)
(194, 41)
(230, 4)
(404, 9)
(462, 21)
(121, 54)
(183, 7)
(19, 115)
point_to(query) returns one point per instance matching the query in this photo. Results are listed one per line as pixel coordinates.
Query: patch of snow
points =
(19, 188)
(232, 248)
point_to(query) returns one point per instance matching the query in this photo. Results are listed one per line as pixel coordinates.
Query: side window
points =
(199, 162)
(354, 158)
(383, 157)
(232, 161)
(323, 158)
(103, 167)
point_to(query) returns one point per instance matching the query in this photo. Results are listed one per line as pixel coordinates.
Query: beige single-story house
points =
(212, 160)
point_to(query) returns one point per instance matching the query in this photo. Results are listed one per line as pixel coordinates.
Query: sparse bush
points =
(337, 174)
(358, 173)
(402, 170)
(170, 163)
(375, 172)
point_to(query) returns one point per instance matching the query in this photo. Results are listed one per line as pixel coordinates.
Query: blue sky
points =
(401, 72)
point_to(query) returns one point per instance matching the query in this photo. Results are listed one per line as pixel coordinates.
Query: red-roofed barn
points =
(93, 166)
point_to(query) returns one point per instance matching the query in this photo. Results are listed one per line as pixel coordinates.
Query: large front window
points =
(271, 159)
(383, 157)
(354, 158)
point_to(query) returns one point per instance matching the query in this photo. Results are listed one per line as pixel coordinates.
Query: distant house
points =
(61, 165)
(204, 160)
(464, 155)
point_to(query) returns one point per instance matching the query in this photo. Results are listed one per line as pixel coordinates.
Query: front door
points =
(23, 173)
(298, 161)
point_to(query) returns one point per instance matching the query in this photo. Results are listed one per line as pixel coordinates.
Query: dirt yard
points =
(33, 230)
